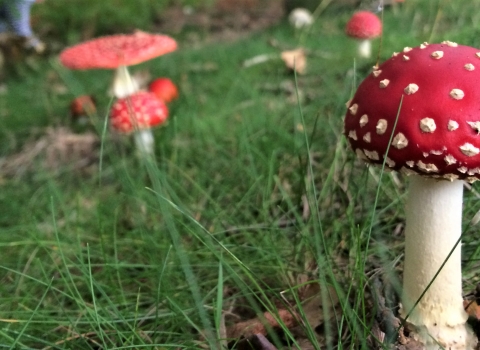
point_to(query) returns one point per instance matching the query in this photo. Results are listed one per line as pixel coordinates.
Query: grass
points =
(147, 255)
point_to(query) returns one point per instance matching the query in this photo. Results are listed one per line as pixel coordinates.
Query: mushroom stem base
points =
(144, 141)
(433, 228)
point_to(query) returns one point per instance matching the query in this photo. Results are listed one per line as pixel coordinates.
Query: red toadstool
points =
(118, 52)
(419, 113)
(81, 107)
(138, 113)
(364, 26)
(164, 89)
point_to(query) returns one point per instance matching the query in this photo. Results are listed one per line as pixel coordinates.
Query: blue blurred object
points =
(15, 15)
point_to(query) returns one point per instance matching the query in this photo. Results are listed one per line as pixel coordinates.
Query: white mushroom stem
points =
(364, 48)
(123, 84)
(433, 227)
(144, 141)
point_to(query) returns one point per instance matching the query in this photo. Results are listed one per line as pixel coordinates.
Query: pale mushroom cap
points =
(300, 17)
(437, 133)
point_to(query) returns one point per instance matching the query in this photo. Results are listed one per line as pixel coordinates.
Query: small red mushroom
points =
(138, 113)
(118, 52)
(164, 89)
(81, 107)
(419, 113)
(364, 26)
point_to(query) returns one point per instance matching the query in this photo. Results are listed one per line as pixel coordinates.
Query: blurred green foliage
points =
(76, 20)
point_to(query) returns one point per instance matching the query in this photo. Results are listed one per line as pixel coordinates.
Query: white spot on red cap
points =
(410, 163)
(360, 154)
(389, 162)
(450, 177)
(452, 125)
(367, 137)
(457, 94)
(363, 120)
(381, 126)
(373, 155)
(353, 135)
(423, 45)
(473, 171)
(450, 43)
(353, 109)
(407, 49)
(475, 126)
(428, 168)
(437, 54)
(405, 58)
(384, 83)
(449, 159)
(469, 67)
(411, 89)
(395, 54)
(376, 73)
(469, 150)
(463, 169)
(428, 125)
(399, 141)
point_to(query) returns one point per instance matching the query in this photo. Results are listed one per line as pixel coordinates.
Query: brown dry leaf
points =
(315, 308)
(261, 324)
(58, 148)
(295, 60)
(472, 308)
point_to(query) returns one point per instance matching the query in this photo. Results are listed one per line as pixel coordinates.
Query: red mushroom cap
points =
(141, 110)
(164, 89)
(364, 25)
(110, 52)
(434, 91)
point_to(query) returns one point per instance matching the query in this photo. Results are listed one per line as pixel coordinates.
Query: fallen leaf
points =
(295, 60)
(472, 308)
(261, 324)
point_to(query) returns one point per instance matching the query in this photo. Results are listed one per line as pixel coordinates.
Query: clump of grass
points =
(253, 190)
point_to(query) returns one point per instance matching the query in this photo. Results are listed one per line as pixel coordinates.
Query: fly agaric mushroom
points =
(118, 52)
(419, 113)
(164, 89)
(138, 113)
(364, 26)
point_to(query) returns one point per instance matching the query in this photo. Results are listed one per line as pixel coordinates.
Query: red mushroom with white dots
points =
(138, 113)
(117, 52)
(419, 113)
(364, 26)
